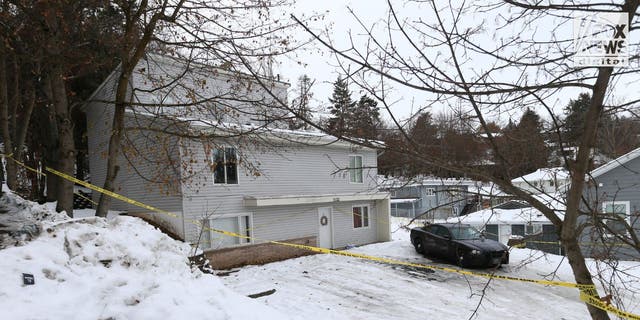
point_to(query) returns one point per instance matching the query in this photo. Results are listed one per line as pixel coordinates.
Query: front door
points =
(324, 225)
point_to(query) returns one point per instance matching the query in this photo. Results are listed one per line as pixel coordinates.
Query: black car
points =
(460, 243)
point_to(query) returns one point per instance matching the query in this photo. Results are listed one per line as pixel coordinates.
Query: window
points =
(430, 192)
(360, 217)
(517, 230)
(616, 213)
(240, 224)
(355, 169)
(491, 232)
(225, 165)
(533, 228)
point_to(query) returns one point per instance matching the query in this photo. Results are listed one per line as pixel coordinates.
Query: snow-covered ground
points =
(338, 287)
(122, 268)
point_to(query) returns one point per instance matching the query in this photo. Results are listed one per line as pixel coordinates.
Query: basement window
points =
(360, 216)
(239, 225)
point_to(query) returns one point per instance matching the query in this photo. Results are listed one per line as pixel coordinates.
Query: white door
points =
(324, 225)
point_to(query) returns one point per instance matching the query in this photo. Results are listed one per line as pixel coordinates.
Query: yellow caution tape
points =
(596, 302)
(588, 292)
(109, 193)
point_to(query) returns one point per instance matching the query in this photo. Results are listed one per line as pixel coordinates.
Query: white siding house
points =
(544, 181)
(209, 155)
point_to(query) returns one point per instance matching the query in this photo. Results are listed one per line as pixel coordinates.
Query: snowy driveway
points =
(338, 287)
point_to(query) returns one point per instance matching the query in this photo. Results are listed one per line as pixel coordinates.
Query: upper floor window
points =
(616, 216)
(355, 169)
(225, 165)
(430, 192)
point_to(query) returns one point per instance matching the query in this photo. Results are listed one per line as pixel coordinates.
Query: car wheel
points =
(419, 246)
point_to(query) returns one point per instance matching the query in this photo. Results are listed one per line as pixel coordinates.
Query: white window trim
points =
(213, 175)
(430, 194)
(362, 220)
(212, 233)
(534, 226)
(627, 206)
(361, 168)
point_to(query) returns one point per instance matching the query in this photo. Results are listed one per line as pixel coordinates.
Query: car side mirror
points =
(447, 236)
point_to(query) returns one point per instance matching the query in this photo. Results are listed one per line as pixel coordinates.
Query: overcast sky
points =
(321, 66)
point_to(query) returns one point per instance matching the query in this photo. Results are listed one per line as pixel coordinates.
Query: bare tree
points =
(191, 43)
(441, 54)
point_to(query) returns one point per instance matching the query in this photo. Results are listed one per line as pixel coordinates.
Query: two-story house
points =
(198, 145)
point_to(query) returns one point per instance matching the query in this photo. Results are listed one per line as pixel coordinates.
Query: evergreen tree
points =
(524, 146)
(574, 122)
(341, 108)
(301, 104)
(365, 119)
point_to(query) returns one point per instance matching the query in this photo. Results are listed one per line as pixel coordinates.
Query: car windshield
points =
(465, 233)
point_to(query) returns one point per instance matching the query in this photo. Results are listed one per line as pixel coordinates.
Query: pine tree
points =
(574, 122)
(341, 108)
(365, 119)
(301, 104)
(524, 146)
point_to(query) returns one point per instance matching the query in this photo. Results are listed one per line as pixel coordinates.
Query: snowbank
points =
(122, 268)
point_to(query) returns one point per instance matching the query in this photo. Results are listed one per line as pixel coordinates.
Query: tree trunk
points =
(29, 101)
(579, 169)
(66, 148)
(11, 177)
(117, 129)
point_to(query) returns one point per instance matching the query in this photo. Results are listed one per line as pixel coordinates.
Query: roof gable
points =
(615, 163)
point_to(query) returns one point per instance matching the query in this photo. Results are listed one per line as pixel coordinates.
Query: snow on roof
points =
(300, 136)
(513, 216)
(490, 190)
(404, 200)
(620, 161)
(558, 173)
(502, 216)
(426, 181)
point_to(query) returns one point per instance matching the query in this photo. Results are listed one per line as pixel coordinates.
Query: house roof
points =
(497, 215)
(620, 161)
(502, 216)
(544, 174)
(423, 182)
(404, 200)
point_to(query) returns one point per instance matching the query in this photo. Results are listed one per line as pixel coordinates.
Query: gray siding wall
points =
(619, 184)
(441, 199)
(343, 232)
(297, 221)
(138, 177)
(276, 171)
(195, 91)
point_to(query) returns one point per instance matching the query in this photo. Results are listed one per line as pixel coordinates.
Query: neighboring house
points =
(267, 184)
(544, 180)
(439, 198)
(612, 193)
(517, 220)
